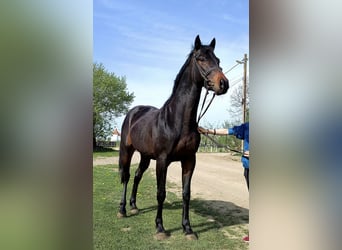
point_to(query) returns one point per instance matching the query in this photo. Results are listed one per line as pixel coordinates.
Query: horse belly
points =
(141, 141)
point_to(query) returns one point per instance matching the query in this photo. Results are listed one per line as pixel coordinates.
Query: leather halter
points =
(204, 73)
(207, 84)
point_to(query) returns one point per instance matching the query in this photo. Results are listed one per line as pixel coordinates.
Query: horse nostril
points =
(223, 84)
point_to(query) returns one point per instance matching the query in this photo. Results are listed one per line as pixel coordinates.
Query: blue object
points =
(242, 132)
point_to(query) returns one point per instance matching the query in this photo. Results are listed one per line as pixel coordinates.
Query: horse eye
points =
(201, 58)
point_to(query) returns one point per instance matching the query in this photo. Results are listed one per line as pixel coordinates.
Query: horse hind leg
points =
(143, 165)
(124, 166)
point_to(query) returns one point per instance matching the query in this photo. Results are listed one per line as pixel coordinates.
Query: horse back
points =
(147, 130)
(137, 125)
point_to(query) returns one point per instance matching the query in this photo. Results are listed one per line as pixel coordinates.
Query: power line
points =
(236, 77)
(231, 68)
(235, 82)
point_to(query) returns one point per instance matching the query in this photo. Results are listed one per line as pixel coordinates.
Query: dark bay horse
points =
(170, 133)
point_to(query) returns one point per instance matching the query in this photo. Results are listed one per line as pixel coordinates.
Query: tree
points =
(236, 104)
(110, 100)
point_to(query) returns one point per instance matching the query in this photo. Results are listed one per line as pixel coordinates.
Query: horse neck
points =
(184, 100)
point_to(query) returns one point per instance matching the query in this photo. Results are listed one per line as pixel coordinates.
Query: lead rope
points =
(211, 100)
(205, 77)
(220, 145)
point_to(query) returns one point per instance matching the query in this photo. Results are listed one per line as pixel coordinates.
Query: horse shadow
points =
(218, 213)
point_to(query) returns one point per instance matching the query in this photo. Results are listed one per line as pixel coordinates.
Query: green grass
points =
(216, 229)
(105, 152)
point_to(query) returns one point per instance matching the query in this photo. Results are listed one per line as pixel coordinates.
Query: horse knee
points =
(186, 195)
(161, 195)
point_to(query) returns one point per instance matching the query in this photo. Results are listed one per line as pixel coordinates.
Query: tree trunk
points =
(94, 142)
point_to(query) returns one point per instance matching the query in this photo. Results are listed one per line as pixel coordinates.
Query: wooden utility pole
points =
(244, 87)
(244, 98)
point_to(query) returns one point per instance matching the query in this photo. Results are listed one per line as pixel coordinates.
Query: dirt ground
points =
(217, 177)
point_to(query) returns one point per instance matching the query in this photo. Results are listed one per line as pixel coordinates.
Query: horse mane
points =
(181, 71)
(179, 75)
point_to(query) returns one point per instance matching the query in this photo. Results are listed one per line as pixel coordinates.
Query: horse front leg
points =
(188, 166)
(161, 172)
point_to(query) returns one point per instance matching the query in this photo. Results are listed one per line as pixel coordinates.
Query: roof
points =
(116, 132)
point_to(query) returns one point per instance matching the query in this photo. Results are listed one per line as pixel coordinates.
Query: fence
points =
(107, 144)
(218, 144)
(206, 146)
(211, 148)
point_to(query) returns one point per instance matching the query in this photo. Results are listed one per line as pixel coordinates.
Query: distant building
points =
(115, 135)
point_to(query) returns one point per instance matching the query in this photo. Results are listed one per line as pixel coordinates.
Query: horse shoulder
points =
(188, 143)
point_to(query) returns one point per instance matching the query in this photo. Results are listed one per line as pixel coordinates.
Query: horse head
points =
(208, 66)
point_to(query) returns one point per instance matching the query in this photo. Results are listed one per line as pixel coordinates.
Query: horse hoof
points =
(161, 236)
(191, 236)
(134, 211)
(120, 215)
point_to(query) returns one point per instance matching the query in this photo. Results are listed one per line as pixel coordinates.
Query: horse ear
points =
(213, 43)
(198, 43)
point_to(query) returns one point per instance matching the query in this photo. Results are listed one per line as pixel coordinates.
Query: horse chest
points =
(188, 144)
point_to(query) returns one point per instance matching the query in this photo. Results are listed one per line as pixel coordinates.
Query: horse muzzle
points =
(223, 87)
(219, 85)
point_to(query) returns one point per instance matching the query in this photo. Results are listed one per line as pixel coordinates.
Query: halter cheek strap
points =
(203, 73)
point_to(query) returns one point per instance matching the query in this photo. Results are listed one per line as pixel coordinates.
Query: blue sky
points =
(149, 41)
